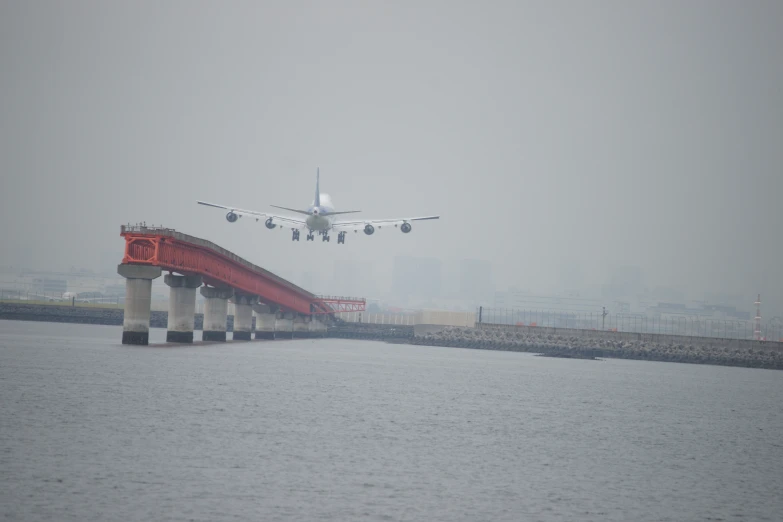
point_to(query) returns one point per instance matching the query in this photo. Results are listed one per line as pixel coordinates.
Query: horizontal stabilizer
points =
(341, 212)
(306, 213)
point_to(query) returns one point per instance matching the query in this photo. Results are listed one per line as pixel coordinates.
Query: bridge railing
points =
(377, 318)
(331, 304)
(341, 298)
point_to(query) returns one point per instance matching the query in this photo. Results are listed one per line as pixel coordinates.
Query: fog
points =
(559, 141)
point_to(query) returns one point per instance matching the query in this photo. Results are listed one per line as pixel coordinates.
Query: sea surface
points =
(354, 430)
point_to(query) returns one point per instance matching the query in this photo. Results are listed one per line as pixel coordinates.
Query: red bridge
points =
(228, 276)
(171, 250)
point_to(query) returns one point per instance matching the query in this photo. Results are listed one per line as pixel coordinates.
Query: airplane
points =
(320, 218)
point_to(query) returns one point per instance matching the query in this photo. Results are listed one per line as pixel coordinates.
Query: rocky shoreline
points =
(761, 355)
(698, 351)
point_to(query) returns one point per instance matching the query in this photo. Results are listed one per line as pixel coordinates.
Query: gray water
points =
(355, 430)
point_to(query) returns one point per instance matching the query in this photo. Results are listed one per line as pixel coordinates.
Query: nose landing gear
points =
(325, 237)
(310, 237)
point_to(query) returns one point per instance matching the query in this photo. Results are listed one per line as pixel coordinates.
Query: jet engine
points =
(231, 217)
(405, 227)
(269, 224)
(369, 230)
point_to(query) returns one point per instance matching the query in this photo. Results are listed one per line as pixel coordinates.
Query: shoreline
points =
(762, 356)
(697, 350)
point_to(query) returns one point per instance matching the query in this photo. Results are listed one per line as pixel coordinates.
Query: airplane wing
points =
(378, 223)
(282, 221)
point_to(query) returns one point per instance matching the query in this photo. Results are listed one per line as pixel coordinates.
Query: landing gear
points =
(310, 237)
(341, 238)
(295, 236)
(325, 237)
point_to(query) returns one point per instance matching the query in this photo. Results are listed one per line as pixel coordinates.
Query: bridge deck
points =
(189, 255)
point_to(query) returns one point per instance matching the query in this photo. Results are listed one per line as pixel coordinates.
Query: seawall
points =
(592, 335)
(372, 332)
(575, 343)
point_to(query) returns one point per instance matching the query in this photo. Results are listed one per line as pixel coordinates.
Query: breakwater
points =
(578, 344)
(696, 350)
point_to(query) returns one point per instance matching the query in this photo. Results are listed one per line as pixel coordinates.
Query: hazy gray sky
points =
(547, 134)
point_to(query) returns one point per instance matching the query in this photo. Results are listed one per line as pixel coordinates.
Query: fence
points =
(377, 318)
(688, 325)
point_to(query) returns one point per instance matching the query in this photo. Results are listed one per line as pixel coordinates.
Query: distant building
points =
(502, 300)
(720, 312)
(353, 278)
(624, 282)
(666, 294)
(114, 289)
(524, 300)
(476, 280)
(50, 286)
(416, 276)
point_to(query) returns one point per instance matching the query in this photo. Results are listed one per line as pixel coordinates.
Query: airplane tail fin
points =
(317, 200)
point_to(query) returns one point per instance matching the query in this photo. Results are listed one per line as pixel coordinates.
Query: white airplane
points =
(320, 218)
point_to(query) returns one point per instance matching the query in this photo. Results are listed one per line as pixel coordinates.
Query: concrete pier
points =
(182, 307)
(284, 325)
(265, 321)
(317, 328)
(243, 316)
(301, 328)
(138, 294)
(215, 312)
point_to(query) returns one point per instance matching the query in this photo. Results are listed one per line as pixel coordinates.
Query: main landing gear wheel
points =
(325, 238)
(310, 237)
(341, 238)
(295, 236)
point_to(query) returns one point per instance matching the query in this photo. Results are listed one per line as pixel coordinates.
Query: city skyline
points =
(594, 144)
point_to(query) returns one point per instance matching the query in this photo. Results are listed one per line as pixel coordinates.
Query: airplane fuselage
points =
(319, 220)
(319, 223)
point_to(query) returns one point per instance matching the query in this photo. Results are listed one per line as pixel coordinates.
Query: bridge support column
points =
(138, 294)
(243, 316)
(265, 321)
(182, 307)
(284, 325)
(317, 328)
(301, 326)
(215, 312)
